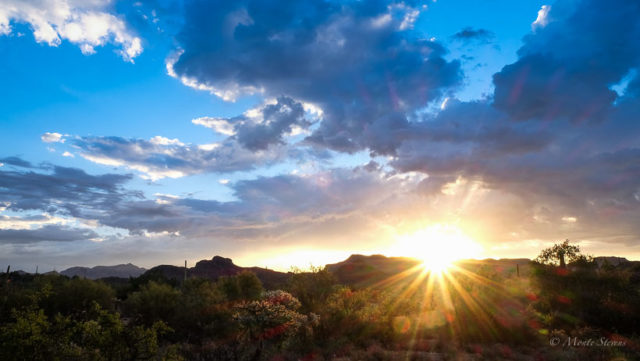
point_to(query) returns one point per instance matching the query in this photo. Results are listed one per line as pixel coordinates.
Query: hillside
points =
(218, 267)
(119, 271)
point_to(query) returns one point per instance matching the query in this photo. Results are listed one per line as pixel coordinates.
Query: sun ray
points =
(438, 246)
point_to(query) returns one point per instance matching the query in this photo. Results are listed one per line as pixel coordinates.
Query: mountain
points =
(611, 261)
(120, 271)
(363, 271)
(359, 270)
(218, 267)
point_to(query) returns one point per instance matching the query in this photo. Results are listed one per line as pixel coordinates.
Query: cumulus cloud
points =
(255, 138)
(360, 63)
(565, 69)
(52, 137)
(261, 127)
(543, 17)
(88, 24)
(219, 125)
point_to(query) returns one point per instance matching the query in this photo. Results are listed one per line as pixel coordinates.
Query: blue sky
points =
(251, 130)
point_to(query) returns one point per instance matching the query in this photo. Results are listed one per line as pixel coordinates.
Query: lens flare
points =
(438, 246)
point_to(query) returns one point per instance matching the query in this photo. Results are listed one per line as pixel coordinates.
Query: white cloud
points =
(219, 125)
(149, 173)
(52, 137)
(230, 93)
(86, 23)
(32, 222)
(208, 147)
(542, 20)
(67, 154)
(159, 140)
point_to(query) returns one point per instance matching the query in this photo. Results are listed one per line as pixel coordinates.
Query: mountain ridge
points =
(124, 270)
(357, 269)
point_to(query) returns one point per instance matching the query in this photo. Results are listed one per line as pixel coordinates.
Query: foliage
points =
(560, 253)
(154, 301)
(244, 286)
(103, 336)
(482, 310)
(312, 288)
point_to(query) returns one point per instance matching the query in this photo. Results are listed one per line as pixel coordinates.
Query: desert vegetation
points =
(473, 311)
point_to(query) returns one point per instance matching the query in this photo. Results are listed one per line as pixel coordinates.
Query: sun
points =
(438, 246)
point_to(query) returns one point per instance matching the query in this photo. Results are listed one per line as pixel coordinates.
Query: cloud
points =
(360, 63)
(268, 208)
(553, 154)
(27, 222)
(219, 125)
(51, 233)
(16, 161)
(63, 190)
(259, 128)
(88, 24)
(554, 141)
(161, 158)
(528, 166)
(543, 17)
(52, 138)
(255, 138)
(470, 34)
(566, 67)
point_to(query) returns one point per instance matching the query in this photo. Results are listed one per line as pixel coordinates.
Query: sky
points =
(287, 133)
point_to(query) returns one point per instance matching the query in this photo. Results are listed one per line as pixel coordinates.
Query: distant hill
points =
(359, 270)
(611, 260)
(119, 271)
(217, 267)
(362, 271)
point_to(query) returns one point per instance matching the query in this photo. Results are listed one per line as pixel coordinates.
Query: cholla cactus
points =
(272, 321)
(279, 297)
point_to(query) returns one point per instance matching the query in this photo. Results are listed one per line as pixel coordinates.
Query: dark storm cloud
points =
(52, 233)
(566, 67)
(358, 61)
(470, 34)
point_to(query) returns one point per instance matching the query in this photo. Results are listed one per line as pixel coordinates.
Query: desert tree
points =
(560, 254)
